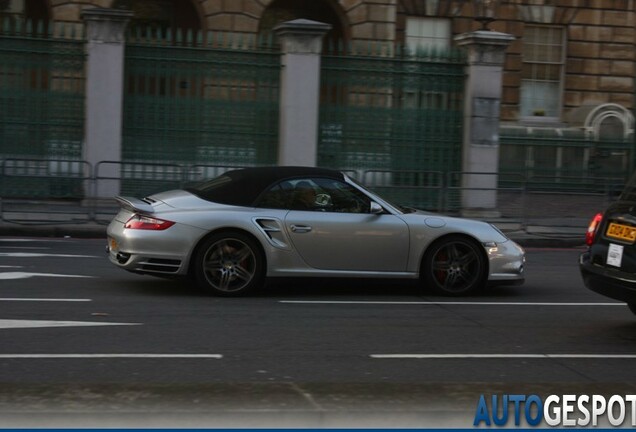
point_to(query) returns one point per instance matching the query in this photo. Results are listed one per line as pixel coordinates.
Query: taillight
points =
(147, 223)
(592, 228)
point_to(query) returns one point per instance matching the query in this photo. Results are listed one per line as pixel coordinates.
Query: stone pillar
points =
(480, 151)
(301, 45)
(105, 30)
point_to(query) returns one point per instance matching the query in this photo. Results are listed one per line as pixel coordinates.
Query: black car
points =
(608, 266)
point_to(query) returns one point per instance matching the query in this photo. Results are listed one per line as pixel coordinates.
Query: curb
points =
(59, 230)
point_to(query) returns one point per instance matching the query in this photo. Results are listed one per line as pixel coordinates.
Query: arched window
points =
(161, 15)
(608, 122)
(18, 12)
(316, 10)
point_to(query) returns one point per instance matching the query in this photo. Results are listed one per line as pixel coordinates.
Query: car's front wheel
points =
(454, 266)
(229, 264)
(632, 307)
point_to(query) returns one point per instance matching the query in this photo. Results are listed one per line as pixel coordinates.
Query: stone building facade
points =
(571, 65)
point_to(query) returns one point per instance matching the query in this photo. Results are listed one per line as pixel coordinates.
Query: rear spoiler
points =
(134, 204)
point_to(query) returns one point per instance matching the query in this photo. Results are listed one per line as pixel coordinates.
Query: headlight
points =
(491, 247)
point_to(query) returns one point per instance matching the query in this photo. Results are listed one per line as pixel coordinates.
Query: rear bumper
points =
(608, 282)
(160, 253)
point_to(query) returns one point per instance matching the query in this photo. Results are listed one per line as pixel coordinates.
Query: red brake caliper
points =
(440, 274)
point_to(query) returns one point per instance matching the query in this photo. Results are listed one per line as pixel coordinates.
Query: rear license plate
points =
(621, 232)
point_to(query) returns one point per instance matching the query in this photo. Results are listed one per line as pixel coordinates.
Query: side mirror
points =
(376, 208)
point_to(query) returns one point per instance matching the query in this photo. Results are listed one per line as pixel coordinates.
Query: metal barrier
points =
(24, 183)
(501, 194)
(201, 172)
(130, 178)
(71, 191)
(418, 189)
(569, 198)
(137, 178)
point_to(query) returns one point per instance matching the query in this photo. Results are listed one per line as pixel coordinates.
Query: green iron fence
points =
(385, 110)
(41, 106)
(195, 98)
(566, 160)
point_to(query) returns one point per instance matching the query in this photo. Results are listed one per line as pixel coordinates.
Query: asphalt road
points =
(85, 344)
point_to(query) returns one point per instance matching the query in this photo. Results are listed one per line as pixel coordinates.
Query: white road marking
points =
(111, 356)
(14, 324)
(24, 247)
(454, 303)
(42, 255)
(33, 240)
(26, 275)
(4, 266)
(503, 356)
(44, 300)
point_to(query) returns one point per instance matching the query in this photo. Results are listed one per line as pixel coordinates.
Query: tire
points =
(632, 307)
(454, 266)
(229, 264)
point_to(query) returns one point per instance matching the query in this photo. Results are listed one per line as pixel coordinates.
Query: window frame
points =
(561, 83)
(319, 183)
(421, 20)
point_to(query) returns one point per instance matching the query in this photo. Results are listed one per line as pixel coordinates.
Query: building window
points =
(12, 9)
(151, 16)
(423, 37)
(542, 72)
(424, 34)
(33, 11)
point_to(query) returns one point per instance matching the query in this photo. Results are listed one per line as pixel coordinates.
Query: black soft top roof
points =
(243, 186)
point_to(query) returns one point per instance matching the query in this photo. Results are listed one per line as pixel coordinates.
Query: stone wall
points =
(600, 64)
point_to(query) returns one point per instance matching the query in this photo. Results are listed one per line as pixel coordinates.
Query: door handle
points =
(300, 228)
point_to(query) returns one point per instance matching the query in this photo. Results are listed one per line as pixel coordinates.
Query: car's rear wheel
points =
(454, 266)
(632, 307)
(229, 264)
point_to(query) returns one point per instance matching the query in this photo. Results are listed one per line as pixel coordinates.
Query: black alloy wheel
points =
(229, 265)
(454, 266)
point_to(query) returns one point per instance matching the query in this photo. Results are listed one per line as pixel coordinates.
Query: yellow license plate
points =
(621, 232)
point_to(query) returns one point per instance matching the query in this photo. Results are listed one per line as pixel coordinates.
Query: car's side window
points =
(344, 198)
(315, 194)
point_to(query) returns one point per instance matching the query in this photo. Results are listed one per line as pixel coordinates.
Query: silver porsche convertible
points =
(230, 233)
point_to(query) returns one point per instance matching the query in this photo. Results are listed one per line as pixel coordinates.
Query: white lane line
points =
(111, 356)
(15, 324)
(6, 299)
(26, 275)
(42, 255)
(31, 240)
(433, 303)
(502, 356)
(5, 266)
(25, 247)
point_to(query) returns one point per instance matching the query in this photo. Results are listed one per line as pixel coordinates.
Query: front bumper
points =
(507, 262)
(608, 282)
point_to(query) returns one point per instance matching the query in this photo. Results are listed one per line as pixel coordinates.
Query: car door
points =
(341, 233)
